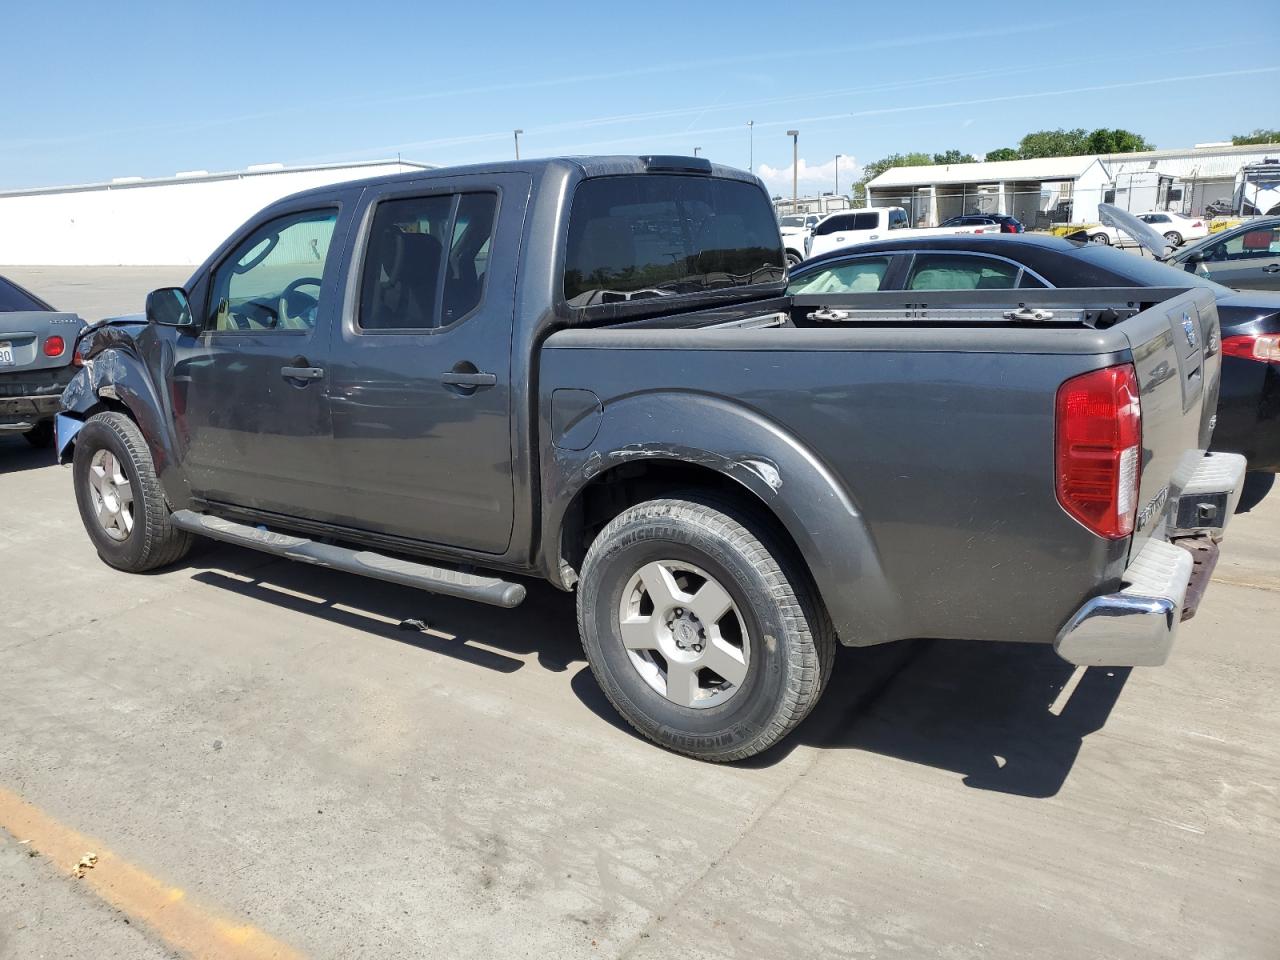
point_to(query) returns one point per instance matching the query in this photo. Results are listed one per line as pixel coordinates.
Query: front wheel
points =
(793, 259)
(121, 504)
(706, 636)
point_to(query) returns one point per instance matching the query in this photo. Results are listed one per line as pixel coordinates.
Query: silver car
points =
(1246, 257)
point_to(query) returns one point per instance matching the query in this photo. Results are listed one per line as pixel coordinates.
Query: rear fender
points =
(819, 514)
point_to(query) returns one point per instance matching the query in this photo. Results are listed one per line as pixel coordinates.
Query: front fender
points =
(112, 378)
(818, 512)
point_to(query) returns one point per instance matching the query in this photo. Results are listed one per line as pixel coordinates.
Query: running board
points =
(451, 583)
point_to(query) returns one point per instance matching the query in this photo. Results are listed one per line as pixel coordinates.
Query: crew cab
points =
(588, 370)
(851, 227)
(35, 362)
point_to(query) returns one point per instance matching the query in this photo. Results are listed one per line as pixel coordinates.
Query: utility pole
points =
(795, 168)
(838, 156)
(695, 150)
(751, 145)
(517, 135)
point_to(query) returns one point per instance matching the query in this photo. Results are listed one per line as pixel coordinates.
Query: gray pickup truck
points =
(587, 370)
(36, 355)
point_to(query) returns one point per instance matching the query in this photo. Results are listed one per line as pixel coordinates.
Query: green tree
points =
(872, 170)
(1054, 143)
(1002, 153)
(953, 156)
(1103, 140)
(1258, 136)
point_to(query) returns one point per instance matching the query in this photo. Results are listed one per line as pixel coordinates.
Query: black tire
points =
(792, 642)
(153, 541)
(1174, 237)
(41, 435)
(793, 259)
(1101, 238)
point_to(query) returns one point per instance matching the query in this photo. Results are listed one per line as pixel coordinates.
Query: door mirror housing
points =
(169, 307)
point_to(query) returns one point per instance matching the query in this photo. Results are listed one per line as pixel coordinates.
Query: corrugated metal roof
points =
(1218, 162)
(1042, 168)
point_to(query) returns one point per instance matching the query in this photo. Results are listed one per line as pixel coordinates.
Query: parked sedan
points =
(36, 344)
(1174, 227)
(1244, 257)
(1006, 224)
(1249, 403)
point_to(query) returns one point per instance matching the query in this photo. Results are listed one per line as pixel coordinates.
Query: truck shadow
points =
(17, 455)
(1009, 718)
(995, 713)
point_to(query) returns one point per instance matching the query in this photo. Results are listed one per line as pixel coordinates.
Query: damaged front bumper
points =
(1164, 582)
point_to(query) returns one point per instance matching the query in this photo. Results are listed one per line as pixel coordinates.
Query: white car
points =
(1175, 228)
(849, 227)
(795, 230)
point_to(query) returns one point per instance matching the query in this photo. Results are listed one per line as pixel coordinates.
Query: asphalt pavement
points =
(268, 761)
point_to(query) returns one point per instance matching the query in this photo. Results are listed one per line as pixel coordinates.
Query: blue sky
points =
(94, 91)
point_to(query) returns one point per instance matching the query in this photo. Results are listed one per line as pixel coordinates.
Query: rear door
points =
(421, 366)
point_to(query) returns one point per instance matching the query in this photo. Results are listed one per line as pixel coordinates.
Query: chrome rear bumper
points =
(1136, 627)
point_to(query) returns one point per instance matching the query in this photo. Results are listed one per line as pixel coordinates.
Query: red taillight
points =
(1264, 347)
(1197, 224)
(1008, 228)
(1099, 449)
(54, 346)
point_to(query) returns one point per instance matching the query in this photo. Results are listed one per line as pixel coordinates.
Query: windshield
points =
(792, 221)
(657, 235)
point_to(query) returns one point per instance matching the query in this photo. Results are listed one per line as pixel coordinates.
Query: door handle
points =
(1271, 268)
(464, 379)
(302, 373)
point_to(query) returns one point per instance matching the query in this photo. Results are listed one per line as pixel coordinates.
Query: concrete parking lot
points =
(268, 761)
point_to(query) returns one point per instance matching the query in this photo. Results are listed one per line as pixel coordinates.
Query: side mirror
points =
(169, 307)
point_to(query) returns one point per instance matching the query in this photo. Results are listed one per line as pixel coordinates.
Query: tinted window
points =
(834, 224)
(866, 221)
(272, 280)
(943, 271)
(14, 298)
(654, 235)
(897, 219)
(426, 261)
(864, 275)
(1139, 270)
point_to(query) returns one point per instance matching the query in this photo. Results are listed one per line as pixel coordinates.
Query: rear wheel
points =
(120, 500)
(1101, 238)
(41, 435)
(703, 634)
(1174, 238)
(793, 258)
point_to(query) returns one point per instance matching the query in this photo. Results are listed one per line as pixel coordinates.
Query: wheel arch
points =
(770, 474)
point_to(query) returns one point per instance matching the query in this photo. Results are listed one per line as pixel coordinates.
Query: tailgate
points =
(24, 334)
(1176, 353)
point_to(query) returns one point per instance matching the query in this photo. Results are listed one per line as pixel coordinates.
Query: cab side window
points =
(426, 261)
(273, 280)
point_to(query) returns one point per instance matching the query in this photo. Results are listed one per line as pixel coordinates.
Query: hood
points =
(1112, 216)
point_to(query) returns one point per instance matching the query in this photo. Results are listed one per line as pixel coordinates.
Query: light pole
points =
(838, 156)
(751, 145)
(517, 135)
(795, 168)
(695, 150)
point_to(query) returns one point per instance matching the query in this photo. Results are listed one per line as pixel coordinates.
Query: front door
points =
(253, 421)
(1248, 261)
(421, 370)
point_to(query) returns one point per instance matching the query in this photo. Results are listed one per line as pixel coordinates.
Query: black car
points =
(1249, 405)
(1006, 224)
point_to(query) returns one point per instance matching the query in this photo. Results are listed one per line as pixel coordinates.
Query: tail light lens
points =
(54, 346)
(1008, 228)
(1198, 223)
(1099, 449)
(1264, 347)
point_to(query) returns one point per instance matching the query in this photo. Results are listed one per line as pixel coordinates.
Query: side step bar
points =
(451, 583)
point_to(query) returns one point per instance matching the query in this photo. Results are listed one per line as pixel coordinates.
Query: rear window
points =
(14, 299)
(657, 235)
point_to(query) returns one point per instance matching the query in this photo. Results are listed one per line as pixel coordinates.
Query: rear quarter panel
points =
(942, 441)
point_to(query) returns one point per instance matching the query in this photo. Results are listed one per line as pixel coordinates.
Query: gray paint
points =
(911, 463)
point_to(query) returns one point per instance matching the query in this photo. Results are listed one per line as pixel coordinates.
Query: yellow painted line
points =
(183, 925)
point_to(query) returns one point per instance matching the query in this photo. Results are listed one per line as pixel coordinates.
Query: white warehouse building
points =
(175, 220)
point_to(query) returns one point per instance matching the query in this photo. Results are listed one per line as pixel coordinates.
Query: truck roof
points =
(588, 166)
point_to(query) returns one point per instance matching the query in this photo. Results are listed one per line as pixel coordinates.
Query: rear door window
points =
(943, 271)
(659, 235)
(863, 275)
